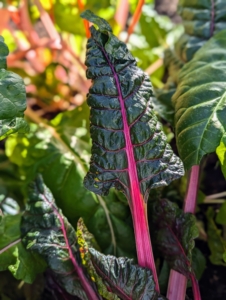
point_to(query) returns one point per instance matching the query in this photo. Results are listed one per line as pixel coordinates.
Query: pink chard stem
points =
(137, 204)
(178, 282)
(142, 238)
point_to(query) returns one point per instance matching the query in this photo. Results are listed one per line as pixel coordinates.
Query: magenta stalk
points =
(136, 201)
(142, 238)
(177, 280)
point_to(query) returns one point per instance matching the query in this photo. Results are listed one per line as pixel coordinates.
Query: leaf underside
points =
(129, 148)
(174, 233)
(47, 232)
(12, 98)
(200, 102)
(201, 20)
(123, 278)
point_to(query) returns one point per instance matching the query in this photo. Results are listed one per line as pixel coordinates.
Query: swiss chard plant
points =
(105, 221)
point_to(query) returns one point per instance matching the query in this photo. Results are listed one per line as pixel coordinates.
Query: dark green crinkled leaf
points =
(174, 233)
(216, 243)
(123, 278)
(200, 102)
(201, 20)
(129, 148)
(12, 98)
(47, 232)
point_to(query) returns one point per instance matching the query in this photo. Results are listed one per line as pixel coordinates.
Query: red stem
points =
(176, 279)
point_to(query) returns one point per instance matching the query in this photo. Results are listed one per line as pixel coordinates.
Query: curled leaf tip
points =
(100, 22)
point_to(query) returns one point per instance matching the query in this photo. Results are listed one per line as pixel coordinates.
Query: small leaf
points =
(216, 243)
(12, 98)
(175, 232)
(199, 101)
(47, 232)
(100, 22)
(123, 278)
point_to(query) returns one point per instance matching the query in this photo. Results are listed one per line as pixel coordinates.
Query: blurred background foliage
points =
(47, 43)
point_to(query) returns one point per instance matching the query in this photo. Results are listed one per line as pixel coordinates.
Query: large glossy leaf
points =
(200, 102)
(128, 281)
(47, 232)
(62, 148)
(201, 20)
(174, 232)
(12, 98)
(129, 148)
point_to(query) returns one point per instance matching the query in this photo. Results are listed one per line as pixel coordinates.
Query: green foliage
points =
(12, 97)
(216, 242)
(9, 232)
(13, 256)
(27, 266)
(58, 145)
(11, 194)
(199, 102)
(221, 215)
(201, 20)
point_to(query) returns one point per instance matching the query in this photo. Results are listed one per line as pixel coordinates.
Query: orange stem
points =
(86, 23)
(135, 18)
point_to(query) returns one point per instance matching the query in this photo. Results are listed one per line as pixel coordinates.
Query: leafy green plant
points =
(71, 242)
